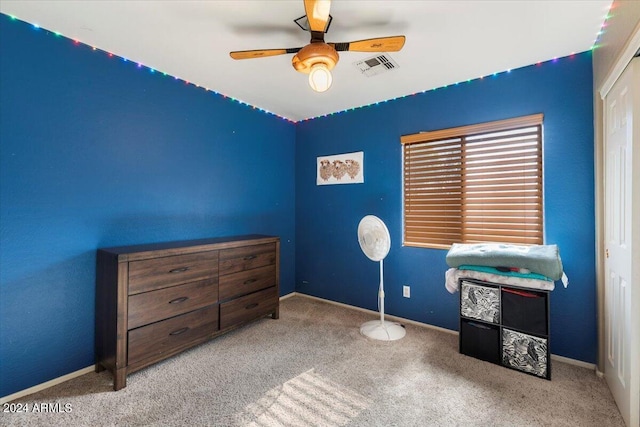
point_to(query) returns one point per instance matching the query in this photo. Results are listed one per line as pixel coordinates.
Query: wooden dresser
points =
(156, 300)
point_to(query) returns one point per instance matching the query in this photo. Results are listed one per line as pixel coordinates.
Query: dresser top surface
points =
(218, 242)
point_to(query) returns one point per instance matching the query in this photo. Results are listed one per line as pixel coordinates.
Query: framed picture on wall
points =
(340, 169)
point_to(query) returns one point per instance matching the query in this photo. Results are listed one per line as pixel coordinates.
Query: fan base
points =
(382, 330)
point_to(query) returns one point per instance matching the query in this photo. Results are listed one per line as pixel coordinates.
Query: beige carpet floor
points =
(313, 368)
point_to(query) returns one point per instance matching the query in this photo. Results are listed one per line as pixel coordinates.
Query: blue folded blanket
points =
(541, 259)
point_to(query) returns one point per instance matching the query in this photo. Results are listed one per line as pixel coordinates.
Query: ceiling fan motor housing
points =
(314, 53)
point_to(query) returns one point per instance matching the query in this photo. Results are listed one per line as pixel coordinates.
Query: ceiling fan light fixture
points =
(315, 53)
(320, 78)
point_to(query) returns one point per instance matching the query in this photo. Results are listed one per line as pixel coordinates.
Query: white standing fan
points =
(375, 242)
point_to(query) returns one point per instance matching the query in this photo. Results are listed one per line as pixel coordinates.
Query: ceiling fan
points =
(318, 57)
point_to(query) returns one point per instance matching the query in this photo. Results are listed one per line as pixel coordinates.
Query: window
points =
(478, 183)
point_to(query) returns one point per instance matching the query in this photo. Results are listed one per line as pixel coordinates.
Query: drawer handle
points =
(179, 331)
(178, 300)
(250, 306)
(250, 257)
(179, 270)
(246, 282)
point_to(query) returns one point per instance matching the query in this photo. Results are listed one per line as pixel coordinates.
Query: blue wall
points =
(95, 152)
(329, 262)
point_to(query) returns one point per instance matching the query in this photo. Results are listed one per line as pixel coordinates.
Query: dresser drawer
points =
(162, 337)
(147, 275)
(153, 306)
(246, 258)
(248, 281)
(248, 307)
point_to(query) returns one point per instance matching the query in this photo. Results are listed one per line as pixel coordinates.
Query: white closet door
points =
(622, 241)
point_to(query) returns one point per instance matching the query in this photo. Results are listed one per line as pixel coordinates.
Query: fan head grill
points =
(374, 238)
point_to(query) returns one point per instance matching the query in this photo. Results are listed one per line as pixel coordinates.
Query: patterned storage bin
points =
(479, 302)
(525, 352)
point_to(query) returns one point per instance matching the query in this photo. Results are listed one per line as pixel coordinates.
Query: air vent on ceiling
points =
(376, 65)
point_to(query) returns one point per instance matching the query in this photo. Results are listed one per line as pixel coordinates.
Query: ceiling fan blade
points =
(261, 53)
(317, 14)
(380, 44)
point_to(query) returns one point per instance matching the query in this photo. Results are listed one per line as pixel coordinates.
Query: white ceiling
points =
(446, 42)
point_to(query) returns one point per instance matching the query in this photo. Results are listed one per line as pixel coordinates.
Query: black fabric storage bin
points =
(480, 340)
(525, 310)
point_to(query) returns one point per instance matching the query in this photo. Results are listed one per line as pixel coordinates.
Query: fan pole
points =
(381, 293)
(380, 329)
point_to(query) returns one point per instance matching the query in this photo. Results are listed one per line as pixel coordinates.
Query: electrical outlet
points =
(406, 291)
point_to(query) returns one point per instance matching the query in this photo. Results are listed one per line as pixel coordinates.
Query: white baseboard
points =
(574, 362)
(563, 359)
(56, 381)
(91, 368)
(284, 297)
(45, 385)
(387, 316)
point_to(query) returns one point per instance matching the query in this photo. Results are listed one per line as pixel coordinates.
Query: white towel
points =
(453, 274)
(451, 280)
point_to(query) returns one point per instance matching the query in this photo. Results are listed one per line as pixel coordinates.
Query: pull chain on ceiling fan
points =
(318, 58)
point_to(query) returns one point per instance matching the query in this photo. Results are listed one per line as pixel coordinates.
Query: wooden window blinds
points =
(478, 183)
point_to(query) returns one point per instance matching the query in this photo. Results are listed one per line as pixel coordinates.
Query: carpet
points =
(312, 367)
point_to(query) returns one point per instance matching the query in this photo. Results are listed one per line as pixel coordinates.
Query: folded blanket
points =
(541, 259)
(453, 274)
(494, 270)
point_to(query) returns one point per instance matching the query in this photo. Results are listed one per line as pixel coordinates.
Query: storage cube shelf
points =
(505, 325)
